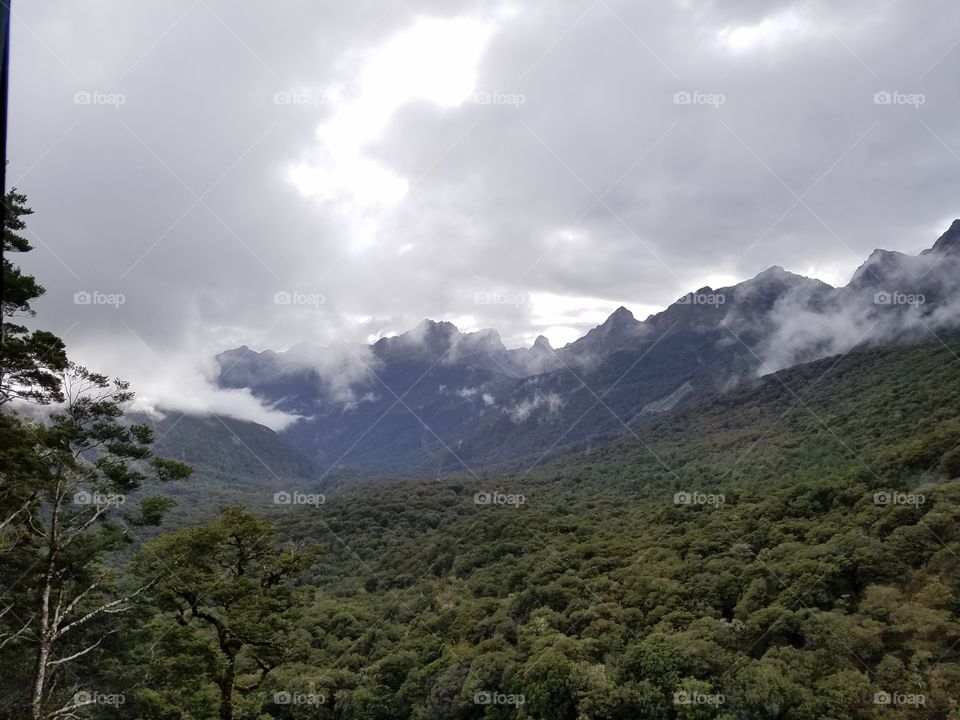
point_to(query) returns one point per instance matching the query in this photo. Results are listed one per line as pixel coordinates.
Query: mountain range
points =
(436, 400)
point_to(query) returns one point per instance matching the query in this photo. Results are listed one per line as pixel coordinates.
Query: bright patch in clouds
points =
(837, 276)
(562, 319)
(768, 34)
(434, 61)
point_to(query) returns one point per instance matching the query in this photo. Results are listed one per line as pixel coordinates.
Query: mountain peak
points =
(950, 240)
(541, 343)
(428, 324)
(773, 271)
(777, 273)
(620, 315)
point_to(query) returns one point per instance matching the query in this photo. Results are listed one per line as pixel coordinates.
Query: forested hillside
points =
(787, 551)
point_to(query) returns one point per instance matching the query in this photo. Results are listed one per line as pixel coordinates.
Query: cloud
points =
(445, 150)
(548, 403)
(340, 368)
(891, 298)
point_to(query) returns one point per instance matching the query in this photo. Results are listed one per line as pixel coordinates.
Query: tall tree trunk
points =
(45, 630)
(43, 652)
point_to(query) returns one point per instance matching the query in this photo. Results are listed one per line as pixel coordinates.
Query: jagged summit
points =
(773, 271)
(541, 343)
(775, 274)
(495, 404)
(949, 241)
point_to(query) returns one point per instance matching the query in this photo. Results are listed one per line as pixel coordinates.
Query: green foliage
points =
(223, 599)
(64, 481)
(801, 596)
(31, 360)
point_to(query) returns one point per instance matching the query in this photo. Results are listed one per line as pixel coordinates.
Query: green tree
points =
(89, 461)
(64, 482)
(227, 591)
(31, 361)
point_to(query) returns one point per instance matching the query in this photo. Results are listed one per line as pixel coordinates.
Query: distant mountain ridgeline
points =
(435, 400)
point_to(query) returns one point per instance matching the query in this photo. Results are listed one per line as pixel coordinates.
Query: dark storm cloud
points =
(614, 152)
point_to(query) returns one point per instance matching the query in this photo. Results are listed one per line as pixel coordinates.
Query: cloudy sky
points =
(210, 173)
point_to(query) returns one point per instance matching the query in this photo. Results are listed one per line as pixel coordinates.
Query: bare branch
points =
(58, 616)
(101, 509)
(10, 637)
(111, 607)
(70, 708)
(82, 652)
(19, 510)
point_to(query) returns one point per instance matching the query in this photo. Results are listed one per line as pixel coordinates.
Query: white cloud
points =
(768, 34)
(434, 61)
(419, 198)
(547, 403)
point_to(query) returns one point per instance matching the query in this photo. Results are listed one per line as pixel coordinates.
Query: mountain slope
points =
(793, 556)
(436, 400)
(231, 459)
